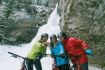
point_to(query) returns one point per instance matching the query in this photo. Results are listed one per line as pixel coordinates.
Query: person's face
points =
(54, 40)
(61, 38)
(45, 38)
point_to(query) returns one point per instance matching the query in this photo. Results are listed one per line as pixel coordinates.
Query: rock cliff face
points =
(85, 19)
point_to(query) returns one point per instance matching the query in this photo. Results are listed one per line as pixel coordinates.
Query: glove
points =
(89, 52)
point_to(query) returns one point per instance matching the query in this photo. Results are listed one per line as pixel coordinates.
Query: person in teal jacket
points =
(58, 52)
(36, 52)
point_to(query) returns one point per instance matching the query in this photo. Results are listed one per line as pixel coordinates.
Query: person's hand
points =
(47, 44)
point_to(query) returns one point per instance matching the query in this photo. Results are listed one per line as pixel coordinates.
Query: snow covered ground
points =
(7, 62)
